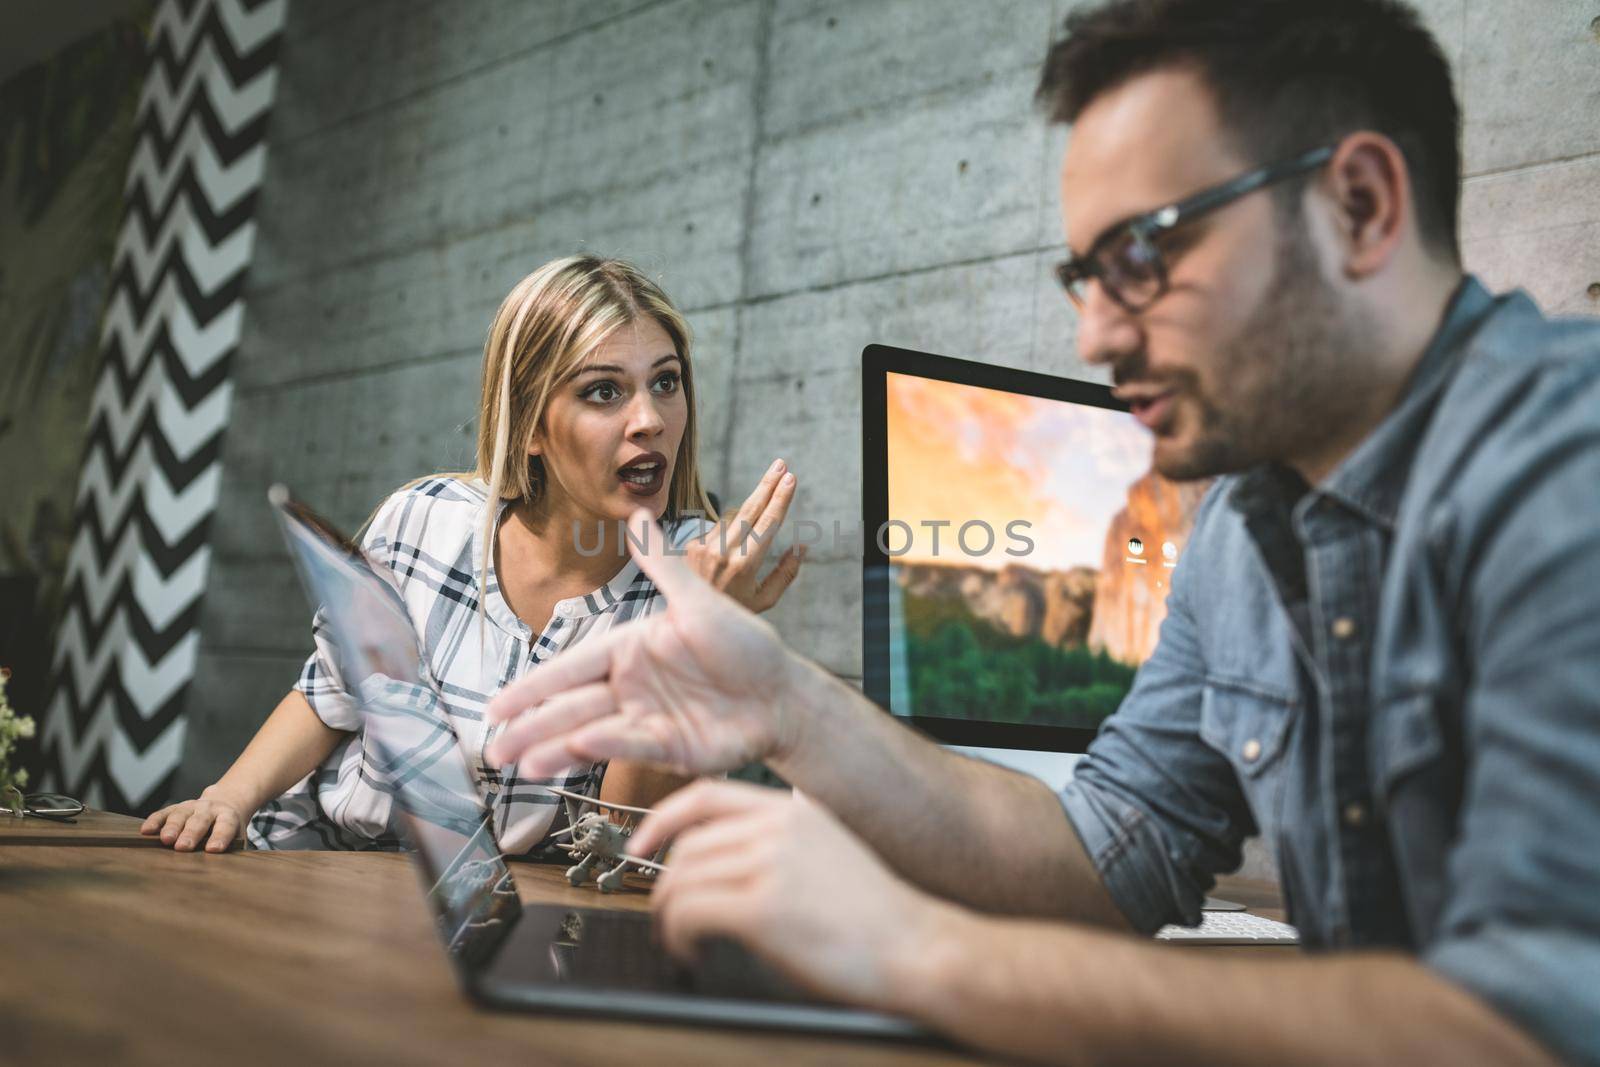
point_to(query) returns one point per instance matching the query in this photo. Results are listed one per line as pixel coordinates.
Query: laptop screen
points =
(410, 750)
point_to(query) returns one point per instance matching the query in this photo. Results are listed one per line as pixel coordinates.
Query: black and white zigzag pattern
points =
(113, 732)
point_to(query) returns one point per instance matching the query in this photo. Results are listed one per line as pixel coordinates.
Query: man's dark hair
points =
(1287, 76)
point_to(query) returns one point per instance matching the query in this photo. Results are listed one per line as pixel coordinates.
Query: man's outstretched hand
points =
(699, 688)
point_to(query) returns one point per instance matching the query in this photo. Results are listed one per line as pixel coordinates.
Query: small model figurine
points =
(599, 842)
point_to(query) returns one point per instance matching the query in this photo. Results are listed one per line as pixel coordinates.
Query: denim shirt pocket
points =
(1250, 726)
(1416, 787)
(1406, 737)
(1245, 723)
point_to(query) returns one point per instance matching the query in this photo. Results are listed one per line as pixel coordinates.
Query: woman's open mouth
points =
(645, 475)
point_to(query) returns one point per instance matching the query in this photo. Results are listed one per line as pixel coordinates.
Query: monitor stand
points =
(1216, 904)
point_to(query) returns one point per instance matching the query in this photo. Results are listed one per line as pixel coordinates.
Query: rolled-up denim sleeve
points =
(1159, 812)
(1520, 925)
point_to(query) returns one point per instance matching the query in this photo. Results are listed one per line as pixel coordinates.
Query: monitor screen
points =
(1018, 551)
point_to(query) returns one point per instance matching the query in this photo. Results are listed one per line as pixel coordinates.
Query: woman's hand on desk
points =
(211, 820)
(730, 554)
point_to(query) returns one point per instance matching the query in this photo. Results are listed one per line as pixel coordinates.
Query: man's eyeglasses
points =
(52, 806)
(1126, 260)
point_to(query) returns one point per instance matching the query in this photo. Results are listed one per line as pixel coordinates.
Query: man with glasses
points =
(1381, 653)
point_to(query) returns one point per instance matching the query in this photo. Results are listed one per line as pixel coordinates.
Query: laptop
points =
(506, 954)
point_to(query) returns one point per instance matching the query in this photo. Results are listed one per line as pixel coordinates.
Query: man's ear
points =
(1369, 186)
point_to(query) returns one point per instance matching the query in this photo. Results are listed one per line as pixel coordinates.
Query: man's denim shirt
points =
(1394, 678)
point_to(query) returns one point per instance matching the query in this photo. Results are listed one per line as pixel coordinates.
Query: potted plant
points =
(13, 728)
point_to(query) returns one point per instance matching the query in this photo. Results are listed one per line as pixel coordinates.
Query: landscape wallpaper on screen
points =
(1050, 637)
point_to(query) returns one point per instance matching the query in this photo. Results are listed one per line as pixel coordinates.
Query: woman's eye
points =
(667, 383)
(601, 392)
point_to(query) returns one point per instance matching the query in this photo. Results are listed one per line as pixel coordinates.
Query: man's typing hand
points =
(699, 688)
(778, 873)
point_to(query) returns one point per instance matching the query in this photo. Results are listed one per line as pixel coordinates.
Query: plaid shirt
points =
(430, 536)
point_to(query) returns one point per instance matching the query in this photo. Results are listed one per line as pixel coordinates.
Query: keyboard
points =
(1231, 928)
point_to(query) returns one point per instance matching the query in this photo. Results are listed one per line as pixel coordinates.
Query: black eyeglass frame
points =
(57, 807)
(1146, 228)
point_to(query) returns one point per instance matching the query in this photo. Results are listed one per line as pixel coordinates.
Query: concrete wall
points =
(805, 177)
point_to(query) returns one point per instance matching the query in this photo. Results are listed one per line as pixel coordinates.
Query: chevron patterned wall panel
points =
(126, 650)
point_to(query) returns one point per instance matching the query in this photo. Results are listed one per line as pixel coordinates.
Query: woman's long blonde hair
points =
(547, 326)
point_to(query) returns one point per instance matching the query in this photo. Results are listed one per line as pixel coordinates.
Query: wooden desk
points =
(143, 955)
(90, 828)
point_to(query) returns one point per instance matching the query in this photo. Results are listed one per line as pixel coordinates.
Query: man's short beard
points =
(1278, 384)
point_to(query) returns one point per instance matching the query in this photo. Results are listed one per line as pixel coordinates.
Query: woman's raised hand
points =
(730, 554)
(700, 688)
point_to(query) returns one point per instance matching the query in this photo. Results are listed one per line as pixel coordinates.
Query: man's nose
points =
(1107, 331)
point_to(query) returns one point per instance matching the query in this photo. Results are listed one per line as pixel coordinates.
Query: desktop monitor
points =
(1018, 547)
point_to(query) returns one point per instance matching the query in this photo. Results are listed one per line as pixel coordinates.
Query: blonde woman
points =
(587, 413)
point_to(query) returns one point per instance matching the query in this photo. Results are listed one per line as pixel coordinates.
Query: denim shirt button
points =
(1251, 750)
(1355, 815)
(1344, 628)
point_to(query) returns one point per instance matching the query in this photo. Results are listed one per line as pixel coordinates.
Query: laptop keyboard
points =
(616, 950)
(1231, 928)
(622, 954)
